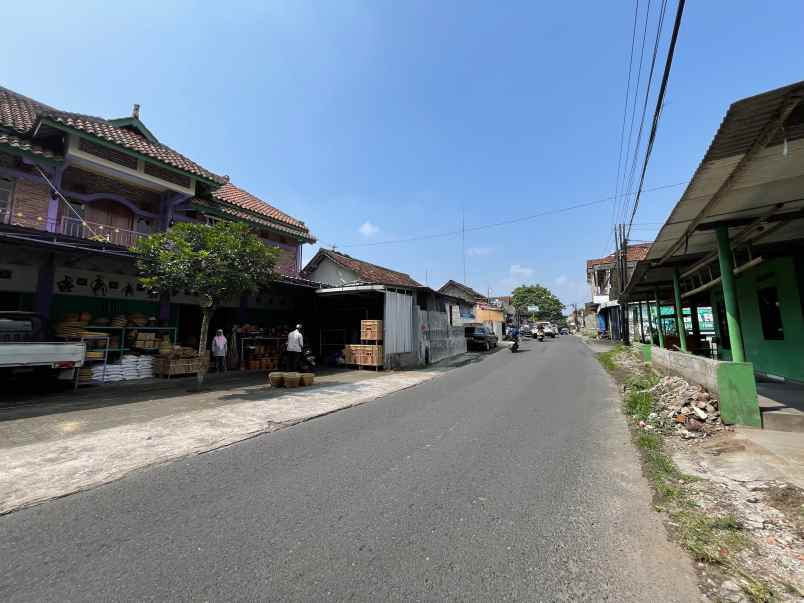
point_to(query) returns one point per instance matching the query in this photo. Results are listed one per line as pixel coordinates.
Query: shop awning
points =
(351, 289)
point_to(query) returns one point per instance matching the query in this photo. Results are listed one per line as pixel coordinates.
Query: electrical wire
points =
(625, 113)
(652, 70)
(620, 212)
(658, 111)
(559, 210)
(68, 204)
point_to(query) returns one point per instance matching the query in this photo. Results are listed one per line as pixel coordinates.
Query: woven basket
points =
(306, 378)
(276, 379)
(292, 379)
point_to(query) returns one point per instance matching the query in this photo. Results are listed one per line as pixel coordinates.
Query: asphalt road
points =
(512, 478)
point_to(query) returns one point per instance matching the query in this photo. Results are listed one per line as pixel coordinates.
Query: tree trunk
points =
(203, 353)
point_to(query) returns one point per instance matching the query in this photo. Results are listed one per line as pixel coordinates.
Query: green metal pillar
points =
(682, 332)
(650, 321)
(659, 318)
(641, 327)
(729, 294)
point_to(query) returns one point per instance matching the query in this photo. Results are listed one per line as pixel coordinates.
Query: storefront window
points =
(770, 314)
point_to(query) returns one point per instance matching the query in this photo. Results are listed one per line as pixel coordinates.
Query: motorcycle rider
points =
(514, 334)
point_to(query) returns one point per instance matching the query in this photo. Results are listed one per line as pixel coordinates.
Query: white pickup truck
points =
(28, 346)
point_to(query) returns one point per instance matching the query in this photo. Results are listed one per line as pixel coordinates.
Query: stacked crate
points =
(371, 330)
(370, 352)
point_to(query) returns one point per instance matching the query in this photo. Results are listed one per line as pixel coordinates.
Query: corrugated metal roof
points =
(770, 177)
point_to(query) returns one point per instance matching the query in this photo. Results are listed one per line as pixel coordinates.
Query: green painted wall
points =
(778, 357)
(738, 394)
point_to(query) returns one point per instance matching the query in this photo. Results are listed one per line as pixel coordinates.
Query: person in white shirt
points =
(295, 347)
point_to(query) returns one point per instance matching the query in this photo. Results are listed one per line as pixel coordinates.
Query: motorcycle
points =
(306, 361)
(515, 347)
(540, 335)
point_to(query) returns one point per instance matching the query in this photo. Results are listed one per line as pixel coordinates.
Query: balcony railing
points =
(81, 229)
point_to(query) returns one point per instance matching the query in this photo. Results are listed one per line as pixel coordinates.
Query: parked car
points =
(565, 331)
(480, 338)
(524, 331)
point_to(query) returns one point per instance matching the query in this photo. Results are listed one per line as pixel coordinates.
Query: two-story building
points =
(603, 313)
(76, 192)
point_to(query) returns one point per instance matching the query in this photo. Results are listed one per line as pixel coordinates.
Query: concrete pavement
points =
(510, 479)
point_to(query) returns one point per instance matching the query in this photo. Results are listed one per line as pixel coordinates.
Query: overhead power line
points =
(558, 210)
(625, 185)
(651, 71)
(657, 112)
(625, 112)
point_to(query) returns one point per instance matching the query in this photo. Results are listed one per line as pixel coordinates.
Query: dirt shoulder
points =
(746, 534)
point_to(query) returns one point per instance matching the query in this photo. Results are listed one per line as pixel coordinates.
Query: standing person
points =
(219, 345)
(295, 346)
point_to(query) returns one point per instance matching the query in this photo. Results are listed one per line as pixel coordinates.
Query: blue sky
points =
(383, 120)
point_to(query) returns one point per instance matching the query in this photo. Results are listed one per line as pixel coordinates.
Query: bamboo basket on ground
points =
(276, 379)
(292, 379)
(306, 379)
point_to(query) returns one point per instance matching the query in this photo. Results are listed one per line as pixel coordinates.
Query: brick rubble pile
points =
(689, 410)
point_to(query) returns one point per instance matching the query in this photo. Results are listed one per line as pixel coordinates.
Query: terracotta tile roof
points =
(634, 253)
(367, 272)
(465, 288)
(233, 195)
(21, 144)
(21, 114)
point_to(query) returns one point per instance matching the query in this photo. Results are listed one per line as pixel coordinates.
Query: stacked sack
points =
(113, 372)
(130, 366)
(145, 367)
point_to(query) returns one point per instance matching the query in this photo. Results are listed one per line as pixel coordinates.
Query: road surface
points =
(511, 478)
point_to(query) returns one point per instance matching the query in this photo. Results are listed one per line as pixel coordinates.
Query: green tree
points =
(550, 306)
(217, 262)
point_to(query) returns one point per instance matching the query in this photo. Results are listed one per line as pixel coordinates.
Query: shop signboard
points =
(18, 278)
(107, 285)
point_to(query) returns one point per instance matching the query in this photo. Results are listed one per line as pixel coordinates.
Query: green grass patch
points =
(642, 382)
(607, 360)
(709, 539)
(638, 404)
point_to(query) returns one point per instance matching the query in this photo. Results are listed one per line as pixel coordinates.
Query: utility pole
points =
(463, 242)
(617, 273)
(623, 283)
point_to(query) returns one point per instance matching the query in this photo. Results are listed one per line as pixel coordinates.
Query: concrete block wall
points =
(693, 368)
(435, 338)
(732, 382)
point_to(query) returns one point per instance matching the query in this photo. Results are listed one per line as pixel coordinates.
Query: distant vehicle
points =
(480, 338)
(27, 346)
(565, 331)
(524, 330)
(548, 328)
